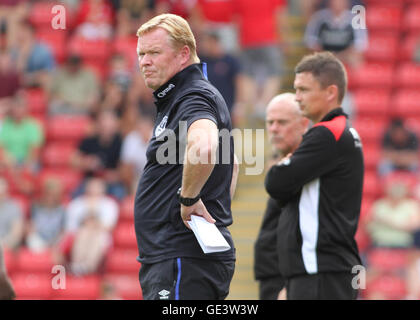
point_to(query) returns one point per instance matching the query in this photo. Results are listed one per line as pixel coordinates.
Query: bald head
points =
(285, 123)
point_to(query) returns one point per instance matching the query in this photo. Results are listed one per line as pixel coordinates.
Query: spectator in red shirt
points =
(95, 19)
(261, 56)
(216, 16)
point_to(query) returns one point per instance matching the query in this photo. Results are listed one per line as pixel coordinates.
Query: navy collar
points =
(192, 72)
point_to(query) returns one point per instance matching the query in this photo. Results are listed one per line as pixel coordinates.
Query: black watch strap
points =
(186, 201)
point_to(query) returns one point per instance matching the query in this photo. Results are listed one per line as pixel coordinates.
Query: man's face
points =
(285, 126)
(158, 60)
(312, 98)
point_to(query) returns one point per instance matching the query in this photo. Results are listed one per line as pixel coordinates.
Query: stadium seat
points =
(372, 101)
(371, 186)
(388, 260)
(68, 128)
(408, 46)
(390, 287)
(370, 128)
(41, 15)
(127, 209)
(365, 209)
(411, 18)
(90, 50)
(408, 76)
(56, 40)
(29, 261)
(79, 288)
(122, 261)
(372, 155)
(36, 101)
(32, 286)
(382, 17)
(382, 48)
(68, 177)
(127, 47)
(406, 103)
(374, 75)
(57, 155)
(362, 238)
(124, 235)
(126, 286)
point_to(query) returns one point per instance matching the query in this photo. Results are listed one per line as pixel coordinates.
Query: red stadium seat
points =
(41, 15)
(372, 101)
(90, 50)
(28, 261)
(390, 287)
(122, 261)
(408, 46)
(384, 17)
(411, 19)
(365, 209)
(68, 128)
(362, 238)
(32, 286)
(127, 47)
(408, 76)
(124, 235)
(371, 185)
(79, 288)
(36, 101)
(406, 103)
(127, 209)
(56, 40)
(388, 260)
(372, 155)
(370, 129)
(382, 48)
(69, 178)
(57, 155)
(374, 75)
(126, 286)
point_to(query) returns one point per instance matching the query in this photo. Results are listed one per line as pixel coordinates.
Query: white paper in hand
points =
(208, 236)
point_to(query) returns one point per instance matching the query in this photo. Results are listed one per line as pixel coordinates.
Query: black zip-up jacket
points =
(320, 192)
(160, 231)
(266, 261)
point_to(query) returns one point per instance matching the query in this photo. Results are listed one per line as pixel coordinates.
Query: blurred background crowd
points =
(76, 118)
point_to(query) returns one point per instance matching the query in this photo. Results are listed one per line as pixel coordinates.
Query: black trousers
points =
(322, 286)
(270, 288)
(186, 279)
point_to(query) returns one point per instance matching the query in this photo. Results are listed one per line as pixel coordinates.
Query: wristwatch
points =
(188, 202)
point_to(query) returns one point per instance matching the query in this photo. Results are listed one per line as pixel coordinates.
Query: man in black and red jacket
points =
(319, 187)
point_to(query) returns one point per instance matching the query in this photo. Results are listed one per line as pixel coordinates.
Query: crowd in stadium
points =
(76, 117)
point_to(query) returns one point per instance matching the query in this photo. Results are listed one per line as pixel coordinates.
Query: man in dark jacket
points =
(285, 127)
(184, 174)
(320, 189)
